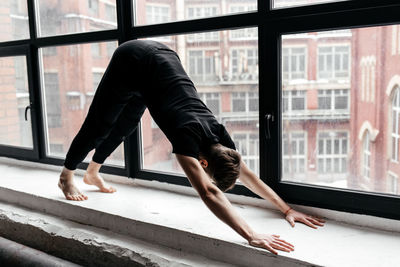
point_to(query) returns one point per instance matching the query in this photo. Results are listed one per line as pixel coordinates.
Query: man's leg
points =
(112, 95)
(126, 124)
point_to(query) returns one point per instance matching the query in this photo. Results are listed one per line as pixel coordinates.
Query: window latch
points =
(269, 118)
(26, 111)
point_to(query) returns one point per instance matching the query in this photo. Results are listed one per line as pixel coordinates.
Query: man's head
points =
(222, 164)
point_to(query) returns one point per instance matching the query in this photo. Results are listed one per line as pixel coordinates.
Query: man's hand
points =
(270, 242)
(312, 221)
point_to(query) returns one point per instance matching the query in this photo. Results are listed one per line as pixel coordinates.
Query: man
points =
(148, 74)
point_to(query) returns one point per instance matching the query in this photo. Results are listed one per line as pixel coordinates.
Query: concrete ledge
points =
(181, 223)
(211, 248)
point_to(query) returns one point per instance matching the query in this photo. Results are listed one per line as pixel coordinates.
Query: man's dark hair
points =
(223, 165)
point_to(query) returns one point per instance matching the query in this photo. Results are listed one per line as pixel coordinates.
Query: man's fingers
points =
(277, 246)
(283, 241)
(268, 247)
(276, 236)
(316, 222)
(283, 244)
(291, 221)
(307, 222)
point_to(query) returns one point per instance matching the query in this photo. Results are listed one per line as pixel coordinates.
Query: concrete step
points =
(83, 244)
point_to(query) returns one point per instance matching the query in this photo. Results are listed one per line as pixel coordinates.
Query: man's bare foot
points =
(95, 179)
(68, 187)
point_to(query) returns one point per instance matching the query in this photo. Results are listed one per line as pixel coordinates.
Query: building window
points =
(111, 46)
(201, 12)
(332, 152)
(93, 6)
(294, 153)
(392, 183)
(248, 146)
(52, 100)
(293, 63)
(157, 14)
(202, 66)
(212, 101)
(96, 79)
(244, 102)
(334, 62)
(395, 136)
(333, 99)
(244, 65)
(96, 49)
(368, 69)
(366, 156)
(111, 13)
(395, 40)
(294, 100)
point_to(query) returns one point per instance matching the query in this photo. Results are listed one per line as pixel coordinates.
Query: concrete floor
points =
(194, 227)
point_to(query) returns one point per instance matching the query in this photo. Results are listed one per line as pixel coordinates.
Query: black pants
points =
(114, 113)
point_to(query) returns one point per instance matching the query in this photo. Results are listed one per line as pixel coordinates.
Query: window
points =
(294, 155)
(244, 63)
(293, 63)
(202, 66)
(248, 146)
(93, 6)
(293, 100)
(188, 9)
(212, 101)
(14, 97)
(333, 99)
(395, 135)
(366, 166)
(70, 17)
(53, 111)
(392, 183)
(334, 62)
(244, 101)
(292, 3)
(332, 152)
(321, 82)
(157, 14)
(97, 75)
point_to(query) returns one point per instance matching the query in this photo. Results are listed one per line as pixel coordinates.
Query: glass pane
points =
(233, 86)
(14, 20)
(349, 95)
(293, 3)
(14, 98)
(161, 11)
(70, 75)
(74, 16)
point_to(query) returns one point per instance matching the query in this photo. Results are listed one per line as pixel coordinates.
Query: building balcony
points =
(326, 115)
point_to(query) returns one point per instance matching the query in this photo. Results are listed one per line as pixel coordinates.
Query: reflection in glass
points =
(225, 73)
(14, 20)
(74, 16)
(14, 98)
(70, 76)
(340, 109)
(162, 11)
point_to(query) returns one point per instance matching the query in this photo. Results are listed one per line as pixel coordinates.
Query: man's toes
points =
(69, 197)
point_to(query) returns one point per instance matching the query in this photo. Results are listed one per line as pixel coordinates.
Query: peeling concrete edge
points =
(212, 248)
(85, 252)
(358, 220)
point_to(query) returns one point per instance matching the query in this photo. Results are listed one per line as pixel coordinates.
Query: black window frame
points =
(272, 24)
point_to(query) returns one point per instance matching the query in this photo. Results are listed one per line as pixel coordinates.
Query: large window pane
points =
(225, 73)
(14, 20)
(345, 112)
(14, 98)
(161, 11)
(292, 3)
(74, 16)
(70, 75)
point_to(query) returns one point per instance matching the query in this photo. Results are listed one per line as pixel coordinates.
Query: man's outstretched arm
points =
(256, 185)
(222, 208)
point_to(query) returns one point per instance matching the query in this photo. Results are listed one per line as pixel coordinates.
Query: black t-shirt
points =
(174, 103)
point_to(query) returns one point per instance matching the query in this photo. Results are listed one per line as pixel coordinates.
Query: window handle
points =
(269, 118)
(26, 112)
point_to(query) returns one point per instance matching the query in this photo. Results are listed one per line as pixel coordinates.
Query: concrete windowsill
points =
(174, 216)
